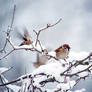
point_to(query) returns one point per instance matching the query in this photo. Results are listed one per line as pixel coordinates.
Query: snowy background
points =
(74, 29)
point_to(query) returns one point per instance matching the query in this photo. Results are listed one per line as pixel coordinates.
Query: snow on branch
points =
(57, 75)
(35, 46)
(9, 29)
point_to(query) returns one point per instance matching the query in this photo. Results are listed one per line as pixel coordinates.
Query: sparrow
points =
(40, 60)
(26, 38)
(62, 52)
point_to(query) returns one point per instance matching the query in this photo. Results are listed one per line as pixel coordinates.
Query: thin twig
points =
(28, 76)
(7, 54)
(48, 26)
(74, 74)
(3, 49)
(9, 30)
(13, 16)
(2, 80)
(76, 63)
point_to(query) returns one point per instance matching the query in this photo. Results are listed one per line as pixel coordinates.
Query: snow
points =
(24, 47)
(31, 46)
(79, 68)
(83, 74)
(52, 53)
(25, 85)
(66, 86)
(82, 90)
(77, 55)
(14, 88)
(3, 69)
(53, 69)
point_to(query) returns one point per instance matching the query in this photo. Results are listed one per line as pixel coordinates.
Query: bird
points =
(40, 60)
(62, 52)
(26, 37)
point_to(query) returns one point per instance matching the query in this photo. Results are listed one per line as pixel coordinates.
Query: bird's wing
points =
(26, 34)
(18, 34)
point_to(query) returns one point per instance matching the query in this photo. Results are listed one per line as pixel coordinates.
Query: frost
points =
(14, 88)
(82, 90)
(25, 85)
(52, 53)
(79, 68)
(58, 72)
(39, 46)
(66, 86)
(3, 69)
(77, 55)
(24, 46)
(53, 69)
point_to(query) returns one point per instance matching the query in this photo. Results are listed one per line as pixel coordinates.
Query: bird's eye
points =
(65, 48)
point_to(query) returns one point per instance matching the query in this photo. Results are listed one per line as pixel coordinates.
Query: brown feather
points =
(26, 43)
(27, 40)
(41, 60)
(63, 51)
(58, 49)
(26, 35)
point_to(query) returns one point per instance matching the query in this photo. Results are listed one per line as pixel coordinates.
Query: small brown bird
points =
(26, 38)
(41, 60)
(62, 52)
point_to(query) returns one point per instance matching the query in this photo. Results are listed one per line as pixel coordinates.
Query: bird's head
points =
(66, 46)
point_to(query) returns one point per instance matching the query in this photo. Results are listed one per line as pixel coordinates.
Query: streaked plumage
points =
(62, 52)
(26, 38)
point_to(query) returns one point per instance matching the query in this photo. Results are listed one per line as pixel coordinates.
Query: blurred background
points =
(74, 29)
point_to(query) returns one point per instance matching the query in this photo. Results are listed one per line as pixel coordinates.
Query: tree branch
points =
(48, 26)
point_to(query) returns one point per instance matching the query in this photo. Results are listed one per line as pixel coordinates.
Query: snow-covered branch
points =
(57, 72)
(35, 46)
